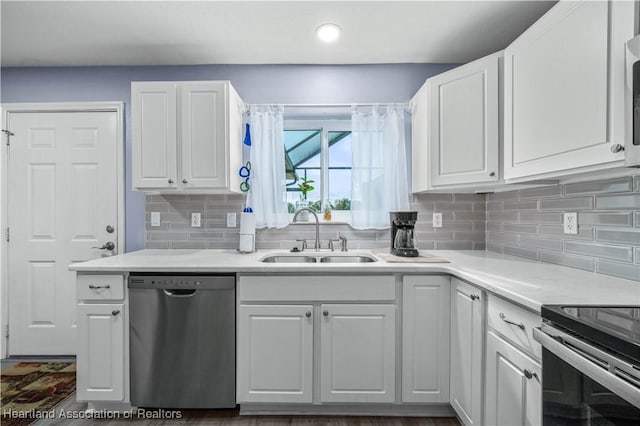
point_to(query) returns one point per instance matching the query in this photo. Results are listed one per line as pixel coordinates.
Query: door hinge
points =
(8, 133)
(7, 236)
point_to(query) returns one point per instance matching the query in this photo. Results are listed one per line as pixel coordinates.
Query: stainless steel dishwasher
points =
(182, 341)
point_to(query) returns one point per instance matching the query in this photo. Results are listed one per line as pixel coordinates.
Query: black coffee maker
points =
(403, 241)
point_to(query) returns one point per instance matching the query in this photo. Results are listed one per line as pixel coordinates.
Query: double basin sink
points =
(318, 258)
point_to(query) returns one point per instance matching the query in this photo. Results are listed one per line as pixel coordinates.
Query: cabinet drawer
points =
(500, 311)
(320, 288)
(100, 287)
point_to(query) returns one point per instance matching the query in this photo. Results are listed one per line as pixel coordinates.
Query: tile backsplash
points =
(463, 224)
(528, 223)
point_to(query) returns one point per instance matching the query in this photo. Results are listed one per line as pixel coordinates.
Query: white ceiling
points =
(257, 32)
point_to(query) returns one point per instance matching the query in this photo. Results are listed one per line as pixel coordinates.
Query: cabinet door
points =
(420, 170)
(204, 134)
(514, 389)
(467, 332)
(153, 133)
(275, 353)
(357, 353)
(564, 89)
(425, 338)
(463, 123)
(100, 356)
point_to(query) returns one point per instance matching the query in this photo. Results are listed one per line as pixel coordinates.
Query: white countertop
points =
(526, 282)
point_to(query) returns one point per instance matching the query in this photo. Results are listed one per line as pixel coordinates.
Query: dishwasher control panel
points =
(182, 281)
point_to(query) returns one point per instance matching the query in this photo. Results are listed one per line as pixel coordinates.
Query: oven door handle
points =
(616, 385)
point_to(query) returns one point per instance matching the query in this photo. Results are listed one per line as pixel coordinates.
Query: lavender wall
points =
(288, 84)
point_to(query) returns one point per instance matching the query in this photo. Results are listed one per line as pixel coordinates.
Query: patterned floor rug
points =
(30, 390)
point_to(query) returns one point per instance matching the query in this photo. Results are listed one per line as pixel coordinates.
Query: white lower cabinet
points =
(275, 353)
(101, 352)
(467, 336)
(513, 385)
(425, 338)
(357, 359)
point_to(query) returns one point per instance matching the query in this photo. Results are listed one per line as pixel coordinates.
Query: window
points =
(319, 151)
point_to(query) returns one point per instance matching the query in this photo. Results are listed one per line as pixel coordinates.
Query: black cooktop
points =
(616, 328)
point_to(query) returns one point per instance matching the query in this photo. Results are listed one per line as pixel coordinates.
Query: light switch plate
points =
(570, 221)
(231, 220)
(155, 218)
(437, 220)
(196, 220)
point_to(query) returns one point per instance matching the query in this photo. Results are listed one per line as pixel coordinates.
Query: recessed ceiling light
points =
(328, 32)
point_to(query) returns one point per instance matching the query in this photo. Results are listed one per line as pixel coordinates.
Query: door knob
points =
(109, 229)
(107, 246)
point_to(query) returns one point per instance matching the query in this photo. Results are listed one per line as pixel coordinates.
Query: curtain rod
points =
(406, 105)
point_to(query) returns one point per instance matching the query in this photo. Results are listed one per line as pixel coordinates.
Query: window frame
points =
(324, 126)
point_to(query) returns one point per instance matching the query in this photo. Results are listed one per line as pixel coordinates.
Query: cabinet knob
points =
(307, 314)
(530, 374)
(115, 312)
(185, 181)
(325, 313)
(474, 297)
(170, 181)
(617, 148)
(492, 174)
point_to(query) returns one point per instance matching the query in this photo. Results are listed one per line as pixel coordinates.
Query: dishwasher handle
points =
(174, 292)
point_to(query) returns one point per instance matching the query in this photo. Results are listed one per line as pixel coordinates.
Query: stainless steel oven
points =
(632, 104)
(590, 365)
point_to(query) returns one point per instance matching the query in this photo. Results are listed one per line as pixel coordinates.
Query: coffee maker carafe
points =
(403, 241)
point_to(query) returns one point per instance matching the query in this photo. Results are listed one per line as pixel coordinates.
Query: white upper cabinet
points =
(456, 135)
(464, 123)
(186, 136)
(564, 91)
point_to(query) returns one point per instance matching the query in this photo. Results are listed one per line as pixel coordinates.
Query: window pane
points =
(302, 160)
(340, 170)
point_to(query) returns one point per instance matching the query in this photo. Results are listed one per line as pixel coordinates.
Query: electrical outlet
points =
(196, 220)
(155, 218)
(437, 220)
(231, 220)
(570, 221)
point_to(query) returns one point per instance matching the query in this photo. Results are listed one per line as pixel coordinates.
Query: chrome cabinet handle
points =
(170, 181)
(107, 246)
(115, 312)
(530, 374)
(185, 181)
(325, 313)
(617, 148)
(504, 318)
(307, 314)
(474, 297)
(95, 287)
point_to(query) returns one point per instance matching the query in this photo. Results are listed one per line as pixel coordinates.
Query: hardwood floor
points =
(224, 417)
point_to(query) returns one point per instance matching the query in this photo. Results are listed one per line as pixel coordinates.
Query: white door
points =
(153, 135)
(467, 328)
(514, 386)
(275, 353)
(63, 200)
(204, 130)
(357, 353)
(463, 122)
(101, 340)
(425, 338)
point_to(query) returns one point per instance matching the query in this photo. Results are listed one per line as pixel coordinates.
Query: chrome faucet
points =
(295, 216)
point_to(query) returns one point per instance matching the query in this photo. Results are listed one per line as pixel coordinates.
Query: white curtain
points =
(268, 196)
(379, 174)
